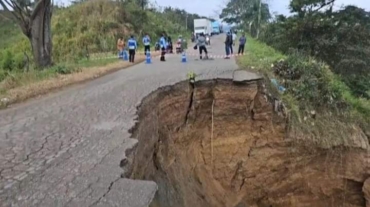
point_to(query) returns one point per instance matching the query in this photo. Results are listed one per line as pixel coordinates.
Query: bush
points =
(12, 61)
(318, 102)
(19, 61)
(64, 69)
(339, 38)
(3, 75)
(309, 81)
(8, 62)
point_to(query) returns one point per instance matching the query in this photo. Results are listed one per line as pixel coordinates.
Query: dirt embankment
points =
(223, 145)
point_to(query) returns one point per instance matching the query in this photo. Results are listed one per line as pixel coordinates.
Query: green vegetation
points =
(10, 31)
(320, 57)
(310, 86)
(249, 14)
(339, 38)
(20, 78)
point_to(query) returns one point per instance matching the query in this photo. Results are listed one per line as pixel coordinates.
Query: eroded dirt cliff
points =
(222, 144)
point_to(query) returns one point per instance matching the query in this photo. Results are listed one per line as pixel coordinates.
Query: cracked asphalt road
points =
(64, 149)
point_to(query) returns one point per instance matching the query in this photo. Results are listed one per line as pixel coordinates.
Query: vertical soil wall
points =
(221, 144)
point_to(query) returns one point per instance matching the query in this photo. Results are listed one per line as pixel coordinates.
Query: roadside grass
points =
(19, 86)
(259, 56)
(10, 32)
(336, 111)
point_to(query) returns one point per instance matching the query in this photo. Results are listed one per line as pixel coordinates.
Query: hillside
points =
(91, 27)
(10, 31)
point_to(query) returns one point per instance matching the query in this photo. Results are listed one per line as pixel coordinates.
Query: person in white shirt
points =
(146, 41)
(234, 39)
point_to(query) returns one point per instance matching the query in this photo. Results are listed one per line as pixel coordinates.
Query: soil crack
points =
(191, 100)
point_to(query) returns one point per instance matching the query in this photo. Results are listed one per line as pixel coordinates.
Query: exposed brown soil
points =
(224, 145)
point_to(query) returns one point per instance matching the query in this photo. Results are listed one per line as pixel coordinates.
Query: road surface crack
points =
(41, 148)
(106, 193)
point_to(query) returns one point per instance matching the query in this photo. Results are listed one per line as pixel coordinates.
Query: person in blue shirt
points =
(242, 41)
(163, 45)
(146, 42)
(132, 46)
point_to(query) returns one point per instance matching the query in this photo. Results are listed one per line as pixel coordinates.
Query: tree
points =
(135, 14)
(303, 7)
(181, 17)
(259, 17)
(78, 1)
(34, 19)
(141, 3)
(341, 38)
(246, 13)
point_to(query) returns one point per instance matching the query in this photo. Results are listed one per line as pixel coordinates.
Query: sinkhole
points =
(218, 143)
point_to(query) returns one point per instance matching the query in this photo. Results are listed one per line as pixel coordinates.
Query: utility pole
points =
(186, 22)
(142, 19)
(259, 19)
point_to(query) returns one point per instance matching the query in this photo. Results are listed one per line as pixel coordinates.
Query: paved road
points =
(65, 149)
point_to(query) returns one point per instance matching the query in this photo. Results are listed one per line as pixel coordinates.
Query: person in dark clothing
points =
(157, 46)
(242, 41)
(228, 44)
(163, 45)
(232, 42)
(169, 44)
(201, 43)
(132, 46)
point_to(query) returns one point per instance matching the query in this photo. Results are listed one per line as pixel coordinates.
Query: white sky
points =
(209, 8)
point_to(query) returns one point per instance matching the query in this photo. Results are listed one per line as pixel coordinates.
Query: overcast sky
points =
(210, 7)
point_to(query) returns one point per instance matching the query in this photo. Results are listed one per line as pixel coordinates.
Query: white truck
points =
(202, 26)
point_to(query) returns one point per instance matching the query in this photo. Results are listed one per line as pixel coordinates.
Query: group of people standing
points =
(132, 45)
(164, 42)
(230, 42)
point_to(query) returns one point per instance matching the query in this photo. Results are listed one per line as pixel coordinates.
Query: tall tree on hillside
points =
(338, 37)
(78, 1)
(34, 18)
(251, 13)
(181, 17)
(141, 3)
(310, 6)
